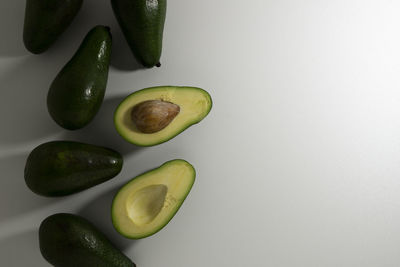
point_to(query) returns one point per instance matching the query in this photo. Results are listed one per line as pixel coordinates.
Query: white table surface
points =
(298, 163)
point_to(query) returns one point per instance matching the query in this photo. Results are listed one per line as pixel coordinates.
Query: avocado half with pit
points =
(149, 201)
(155, 115)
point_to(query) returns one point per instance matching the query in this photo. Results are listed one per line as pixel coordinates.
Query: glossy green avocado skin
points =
(61, 168)
(46, 20)
(142, 22)
(68, 240)
(76, 94)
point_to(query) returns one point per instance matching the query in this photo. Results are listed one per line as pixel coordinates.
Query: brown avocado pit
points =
(193, 104)
(152, 116)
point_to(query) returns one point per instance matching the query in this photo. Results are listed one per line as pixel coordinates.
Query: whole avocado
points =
(142, 22)
(61, 168)
(46, 20)
(76, 94)
(68, 240)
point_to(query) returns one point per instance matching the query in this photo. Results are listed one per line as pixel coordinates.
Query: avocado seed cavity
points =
(146, 204)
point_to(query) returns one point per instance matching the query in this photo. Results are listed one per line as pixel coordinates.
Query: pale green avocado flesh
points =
(148, 202)
(194, 104)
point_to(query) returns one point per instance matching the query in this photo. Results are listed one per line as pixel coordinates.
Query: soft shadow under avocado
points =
(101, 131)
(98, 211)
(16, 197)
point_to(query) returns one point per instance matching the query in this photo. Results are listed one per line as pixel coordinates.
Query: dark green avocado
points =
(142, 22)
(46, 20)
(68, 240)
(76, 94)
(60, 168)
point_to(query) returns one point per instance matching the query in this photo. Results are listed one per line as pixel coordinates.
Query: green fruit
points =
(142, 22)
(77, 92)
(149, 201)
(155, 115)
(68, 240)
(62, 168)
(46, 20)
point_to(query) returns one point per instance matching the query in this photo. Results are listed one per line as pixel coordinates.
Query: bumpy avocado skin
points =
(46, 20)
(61, 168)
(76, 94)
(68, 240)
(142, 22)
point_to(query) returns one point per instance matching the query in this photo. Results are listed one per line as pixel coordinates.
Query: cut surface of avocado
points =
(194, 104)
(148, 202)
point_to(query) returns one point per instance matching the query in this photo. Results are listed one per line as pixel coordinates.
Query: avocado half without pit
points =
(148, 202)
(155, 115)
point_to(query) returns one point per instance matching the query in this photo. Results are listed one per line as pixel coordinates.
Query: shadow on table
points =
(101, 131)
(16, 197)
(24, 115)
(98, 211)
(21, 249)
(11, 27)
(23, 109)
